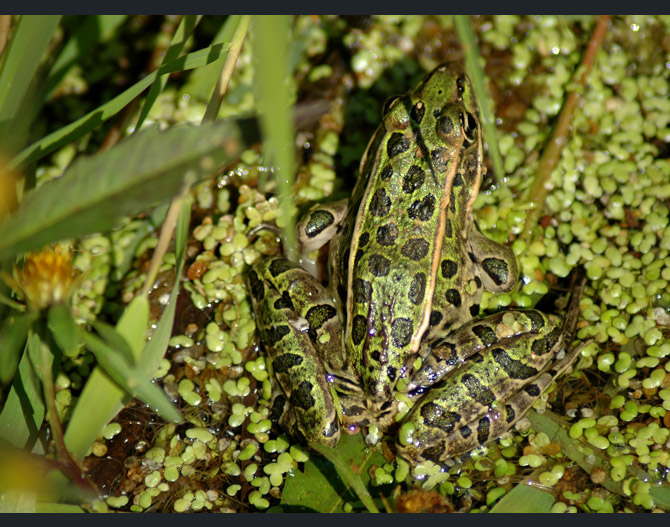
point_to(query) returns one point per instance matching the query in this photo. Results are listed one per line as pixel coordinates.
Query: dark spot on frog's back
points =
(483, 429)
(380, 204)
(386, 173)
(436, 416)
(287, 361)
(256, 286)
(533, 390)
(454, 297)
(435, 318)
(449, 268)
(317, 316)
(417, 289)
(497, 269)
(274, 334)
(358, 329)
(363, 239)
(536, 319)
(413, 179)
(445, 126)
(485, 334)
(448, 232)
(387, 234)
(279, 266)
(318, 221)
(401, 332)
(422, 209)
(465, 431)
(510, 414)
(479, 392)
(362, 290)
(301, 397)
(284, 302)
(397, 144)
(512, 367)
(415, 249)
(379, 265)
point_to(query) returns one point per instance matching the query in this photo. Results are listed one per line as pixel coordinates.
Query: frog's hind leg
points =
(301, 333)
(517, 405)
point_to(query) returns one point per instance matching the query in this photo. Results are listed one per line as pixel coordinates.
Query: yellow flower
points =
(46, 278)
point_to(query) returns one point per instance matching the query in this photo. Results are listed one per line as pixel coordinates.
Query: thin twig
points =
(69, 465)
(227, 71)
(559, 138)
(167, 229)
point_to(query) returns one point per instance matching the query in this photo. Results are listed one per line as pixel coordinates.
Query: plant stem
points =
(559, 138)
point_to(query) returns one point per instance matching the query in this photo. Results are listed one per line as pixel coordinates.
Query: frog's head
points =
(441, 112)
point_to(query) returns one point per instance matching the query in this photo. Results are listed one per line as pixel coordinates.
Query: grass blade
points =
(12, 342)
(179, 39)
(91, 120)
(21, 60)
(131, 379)
(473, 65)
(23, 411)
(271, 35)
(92, 30)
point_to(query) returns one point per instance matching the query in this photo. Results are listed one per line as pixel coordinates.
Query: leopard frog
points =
(398, 324)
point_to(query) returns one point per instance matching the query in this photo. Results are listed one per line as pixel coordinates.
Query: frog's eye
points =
(469, 125)
(389, 104)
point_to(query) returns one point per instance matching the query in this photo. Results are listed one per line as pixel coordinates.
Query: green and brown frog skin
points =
(400, 316)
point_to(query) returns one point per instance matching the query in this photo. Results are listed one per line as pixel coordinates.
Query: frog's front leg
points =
(317, 227)
(499, 269)
(512, 357)
(301, 332)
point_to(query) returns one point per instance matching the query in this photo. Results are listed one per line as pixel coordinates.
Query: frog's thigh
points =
(497, 262)
(297, 323)
(452, 351)
(487, 394)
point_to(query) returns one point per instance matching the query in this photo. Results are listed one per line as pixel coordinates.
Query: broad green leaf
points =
(63, 328)
(557, 430)
(23, 410)
(133, 325)
(100, 400)
(317, 489)
(326, 486)
(132, 379)
(94, 118)
(12, 342)
(524, 498)
(95, 192)
(18, 501)
(473, 61)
